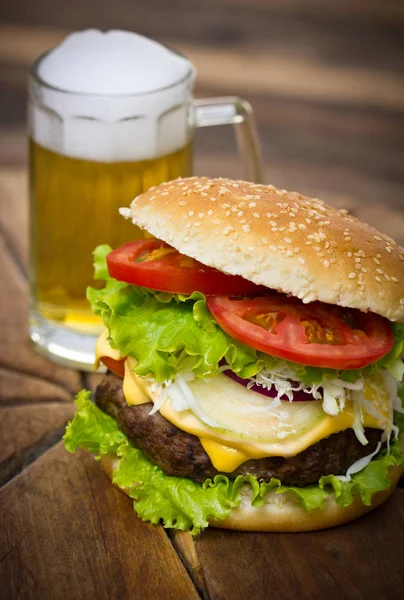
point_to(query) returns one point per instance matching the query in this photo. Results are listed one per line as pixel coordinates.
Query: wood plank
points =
(14, 212)
(68, 533)
(359, 560)
(23, 426)
(17, 355)
(19, 388)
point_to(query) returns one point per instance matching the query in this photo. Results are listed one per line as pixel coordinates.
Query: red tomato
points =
(117, 366)
(156, 265)
(318, 335)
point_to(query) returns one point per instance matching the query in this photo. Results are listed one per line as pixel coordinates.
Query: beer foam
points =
(111, 96)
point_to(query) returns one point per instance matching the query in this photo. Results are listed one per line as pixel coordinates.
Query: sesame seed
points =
(246, 228)
(301, 260)
(394, 279)
(287, 240)
(256, 215)
(326, 263)
(378, 279)
(351, 275)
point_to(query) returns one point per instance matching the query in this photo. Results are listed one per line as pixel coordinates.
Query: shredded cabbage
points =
(359, 465)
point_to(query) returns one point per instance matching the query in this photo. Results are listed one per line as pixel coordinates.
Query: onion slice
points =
(298, 395)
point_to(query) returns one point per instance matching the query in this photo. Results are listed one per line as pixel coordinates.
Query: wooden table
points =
(66, 532)
(325, 80)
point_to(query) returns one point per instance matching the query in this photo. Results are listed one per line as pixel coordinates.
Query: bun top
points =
(282, 240)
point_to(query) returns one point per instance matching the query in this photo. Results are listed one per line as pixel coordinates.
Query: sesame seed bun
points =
(283, 512)
(282, 240)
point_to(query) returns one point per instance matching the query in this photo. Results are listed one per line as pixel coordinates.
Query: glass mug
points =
(89, 155)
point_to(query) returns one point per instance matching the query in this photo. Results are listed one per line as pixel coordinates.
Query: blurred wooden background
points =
(326, 80)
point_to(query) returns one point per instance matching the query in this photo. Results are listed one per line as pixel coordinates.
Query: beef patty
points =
(182, 454)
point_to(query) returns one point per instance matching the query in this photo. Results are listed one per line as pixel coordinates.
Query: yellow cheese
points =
(186, 421)
(133, 386)
(224, 458)
(103, 348)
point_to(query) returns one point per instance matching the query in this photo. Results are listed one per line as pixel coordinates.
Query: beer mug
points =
(110, 115)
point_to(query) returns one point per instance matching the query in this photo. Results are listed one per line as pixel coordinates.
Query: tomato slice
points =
(316, 334)
(156, 265)
(117, 366)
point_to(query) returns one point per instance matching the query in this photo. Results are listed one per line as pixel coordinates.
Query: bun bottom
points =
(283, 513)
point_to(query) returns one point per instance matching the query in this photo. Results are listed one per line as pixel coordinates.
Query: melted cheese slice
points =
(247, 432)
(103, 348)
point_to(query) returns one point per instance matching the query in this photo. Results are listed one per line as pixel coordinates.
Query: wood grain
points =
(326, 83)
(18, 388)
(356, 561)
(23, 426)
(68, 533)
(14, 328)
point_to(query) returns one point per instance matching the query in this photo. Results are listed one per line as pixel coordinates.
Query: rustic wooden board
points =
(361, 560)
(22, 426)
(19, 388)
(326, 84)
(66, 532)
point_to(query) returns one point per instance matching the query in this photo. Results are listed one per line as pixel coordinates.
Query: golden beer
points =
(110, 114)
(74, 207)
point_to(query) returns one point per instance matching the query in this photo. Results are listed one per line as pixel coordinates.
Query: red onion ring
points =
(298, 396)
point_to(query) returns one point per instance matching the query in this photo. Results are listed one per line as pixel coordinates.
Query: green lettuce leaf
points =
(183, 504)
(170, 332)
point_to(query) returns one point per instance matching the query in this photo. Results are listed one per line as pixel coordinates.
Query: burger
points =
(253, 343)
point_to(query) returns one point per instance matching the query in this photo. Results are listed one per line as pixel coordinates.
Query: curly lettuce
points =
(180, 503)
(167, 333)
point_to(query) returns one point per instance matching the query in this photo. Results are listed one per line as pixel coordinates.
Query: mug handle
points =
(231, 110)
